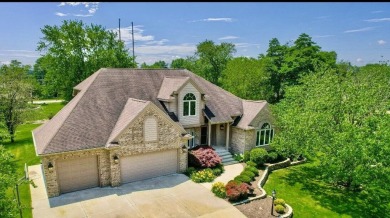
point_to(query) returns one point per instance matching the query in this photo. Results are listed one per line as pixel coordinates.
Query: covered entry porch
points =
(216, 135)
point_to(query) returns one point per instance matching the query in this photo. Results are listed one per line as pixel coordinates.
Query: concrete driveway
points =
(166, 196)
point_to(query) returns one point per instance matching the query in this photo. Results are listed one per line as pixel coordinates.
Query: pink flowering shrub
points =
(204, 157)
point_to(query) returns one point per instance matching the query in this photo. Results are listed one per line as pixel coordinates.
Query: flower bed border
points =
(269, 168)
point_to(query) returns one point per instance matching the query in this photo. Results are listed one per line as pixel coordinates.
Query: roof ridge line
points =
(81, 94)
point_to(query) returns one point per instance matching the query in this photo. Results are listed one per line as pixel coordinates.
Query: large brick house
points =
(125, 125)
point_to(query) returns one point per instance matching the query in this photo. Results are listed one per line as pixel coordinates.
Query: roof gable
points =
(251, 110)
(173, 85)
(169, 86)
(131, 111)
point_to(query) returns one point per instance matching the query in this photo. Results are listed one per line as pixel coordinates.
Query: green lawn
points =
(23, 149)
(309, 196)
(43, 111)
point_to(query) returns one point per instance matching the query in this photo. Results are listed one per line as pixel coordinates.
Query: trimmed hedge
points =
(259, 156)
(248, 173)
(252, 169)
(280, 201)
(272, 157)
(251, 163)
(279, 208)
(247, 156)
(243, 178)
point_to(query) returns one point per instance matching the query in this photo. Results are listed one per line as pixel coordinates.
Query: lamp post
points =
(273, 198)
(16, 188)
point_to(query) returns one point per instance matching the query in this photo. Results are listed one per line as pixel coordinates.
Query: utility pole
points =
(132, 36)
(119, 29)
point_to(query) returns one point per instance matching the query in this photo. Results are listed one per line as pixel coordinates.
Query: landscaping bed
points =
(258, 208)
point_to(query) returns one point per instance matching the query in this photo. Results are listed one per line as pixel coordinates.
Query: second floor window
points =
(189, 105)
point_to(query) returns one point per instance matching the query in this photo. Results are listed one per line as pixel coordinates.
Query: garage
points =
(145, 166)
(77, 173)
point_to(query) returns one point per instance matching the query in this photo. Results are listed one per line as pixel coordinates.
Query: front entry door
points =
(203, 135)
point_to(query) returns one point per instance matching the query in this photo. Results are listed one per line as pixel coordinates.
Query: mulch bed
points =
(259, 207)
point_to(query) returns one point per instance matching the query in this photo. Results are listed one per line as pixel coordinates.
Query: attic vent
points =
(150, 129)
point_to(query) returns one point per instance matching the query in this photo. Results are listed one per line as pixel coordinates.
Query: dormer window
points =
(189, 105)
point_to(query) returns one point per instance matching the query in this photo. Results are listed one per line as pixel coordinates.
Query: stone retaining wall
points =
(271, 167)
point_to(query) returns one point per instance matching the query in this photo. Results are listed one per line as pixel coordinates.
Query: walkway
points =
(231, 171)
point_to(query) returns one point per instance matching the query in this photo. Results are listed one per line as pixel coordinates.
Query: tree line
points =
(325, 109)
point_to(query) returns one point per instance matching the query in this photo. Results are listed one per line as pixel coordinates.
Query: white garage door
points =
(77, 174)
(145, 166)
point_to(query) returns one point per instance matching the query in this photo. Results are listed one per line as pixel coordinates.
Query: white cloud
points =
(19, 53)
(322, 36)
(359, 60)
(219, 19)
(181, 49)
(378, 19)
(5, 62)
(152, 53)
(381, 42)
(82, 15)
(359, 30)
(376, 12)
(228, 37)
(159, 42)
(245, 45)
(138, 34)
(88, 8)
(61, 14)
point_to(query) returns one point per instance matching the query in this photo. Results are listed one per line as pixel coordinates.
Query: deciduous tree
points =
(247, 78)
(15, 92)
(74, 50)
(7, 180)
(339, 115)
(214, 58)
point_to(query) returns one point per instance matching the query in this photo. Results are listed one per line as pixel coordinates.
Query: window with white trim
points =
(189, 105)
(264, 135)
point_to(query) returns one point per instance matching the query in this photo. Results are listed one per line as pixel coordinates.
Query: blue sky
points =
(358, 32)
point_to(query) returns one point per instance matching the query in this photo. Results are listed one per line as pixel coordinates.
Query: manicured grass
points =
(43, 111)
(24, 151)
(310, 196)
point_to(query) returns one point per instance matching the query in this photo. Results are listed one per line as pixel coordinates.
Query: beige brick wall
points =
(130, 143)
(52, 185)
(245, 140)
(237, 144)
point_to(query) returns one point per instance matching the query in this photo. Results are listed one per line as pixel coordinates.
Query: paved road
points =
(46, 101)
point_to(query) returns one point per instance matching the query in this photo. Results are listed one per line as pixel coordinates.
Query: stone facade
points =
(131, 142)
(245, 140)
(51, 178)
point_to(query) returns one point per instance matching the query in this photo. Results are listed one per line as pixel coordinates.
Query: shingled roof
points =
(90, 117)
(251, 109)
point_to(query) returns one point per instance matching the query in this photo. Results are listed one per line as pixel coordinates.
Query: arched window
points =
(264, 135)
(189, 105)
(150, 129)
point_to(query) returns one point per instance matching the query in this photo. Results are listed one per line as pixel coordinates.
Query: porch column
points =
(227, 136)
(209, 136)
